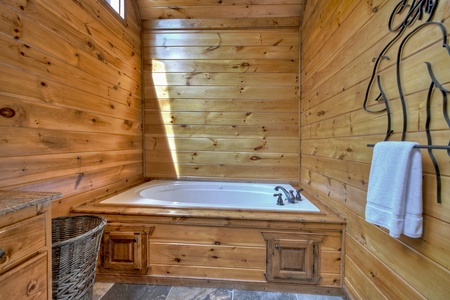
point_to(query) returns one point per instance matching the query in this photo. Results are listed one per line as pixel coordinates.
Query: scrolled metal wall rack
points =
(413, 12)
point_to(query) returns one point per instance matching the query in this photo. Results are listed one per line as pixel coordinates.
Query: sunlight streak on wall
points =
(161, 89)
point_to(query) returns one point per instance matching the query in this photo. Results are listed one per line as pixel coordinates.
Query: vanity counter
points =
(11, 201)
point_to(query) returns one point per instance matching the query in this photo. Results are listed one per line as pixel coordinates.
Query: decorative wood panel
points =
(215, 253)
(71, 72)
(341, 41)
(293, 257)
(125, 248)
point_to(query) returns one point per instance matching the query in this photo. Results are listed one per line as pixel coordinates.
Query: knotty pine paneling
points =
(176, 9)
(210, 99)
(71, 72)
(221, 97)
(340, 43)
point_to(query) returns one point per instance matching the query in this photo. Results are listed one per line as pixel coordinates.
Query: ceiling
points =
(275, 10)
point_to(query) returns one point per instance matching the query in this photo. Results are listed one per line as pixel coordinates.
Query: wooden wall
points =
(221, 89)
(71, 72)
(341, 41)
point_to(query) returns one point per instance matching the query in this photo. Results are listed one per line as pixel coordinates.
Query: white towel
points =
(394, 195)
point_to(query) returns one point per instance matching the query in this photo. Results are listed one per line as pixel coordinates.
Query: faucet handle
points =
(298, 196)
(280, 199)
(291, 198)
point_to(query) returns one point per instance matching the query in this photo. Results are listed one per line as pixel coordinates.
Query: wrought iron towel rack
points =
(435, 164)
(415, 12)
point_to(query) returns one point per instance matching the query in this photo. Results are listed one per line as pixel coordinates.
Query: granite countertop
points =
(11, 201)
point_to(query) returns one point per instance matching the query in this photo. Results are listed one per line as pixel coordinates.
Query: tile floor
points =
(109, 291)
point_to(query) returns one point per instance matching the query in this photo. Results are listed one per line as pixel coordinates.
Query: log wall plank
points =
(337, 62)
(225, 95)
(71, 72)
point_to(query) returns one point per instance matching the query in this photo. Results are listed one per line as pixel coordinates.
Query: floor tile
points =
(136, 292)
(317, 297)
(100, 288)
(256, 295)
(193, 293)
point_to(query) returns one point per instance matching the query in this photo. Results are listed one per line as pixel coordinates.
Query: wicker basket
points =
(75, 245)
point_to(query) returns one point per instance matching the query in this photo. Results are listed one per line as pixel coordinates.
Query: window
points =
(118, 6)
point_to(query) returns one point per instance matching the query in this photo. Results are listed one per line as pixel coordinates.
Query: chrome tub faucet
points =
(290, 197)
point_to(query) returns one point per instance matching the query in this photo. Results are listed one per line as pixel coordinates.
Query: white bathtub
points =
(209, 195)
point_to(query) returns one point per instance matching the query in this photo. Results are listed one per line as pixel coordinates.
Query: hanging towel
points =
(394, 195)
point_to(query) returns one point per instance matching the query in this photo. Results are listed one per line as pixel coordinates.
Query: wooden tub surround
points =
(263, 250)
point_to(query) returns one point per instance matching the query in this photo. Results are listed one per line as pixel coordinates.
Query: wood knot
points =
(7, 112)
(320, 113)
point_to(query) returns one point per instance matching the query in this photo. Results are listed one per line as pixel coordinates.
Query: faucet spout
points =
(289, 195)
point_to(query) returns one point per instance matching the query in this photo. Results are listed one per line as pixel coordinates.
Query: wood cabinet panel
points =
(293, 257)
(25, 245)
(122, 251)
(242, 254)
(125, 249)
(29, 281)
(32, 233)
(212, 273)
(248, 237)
(208, 255)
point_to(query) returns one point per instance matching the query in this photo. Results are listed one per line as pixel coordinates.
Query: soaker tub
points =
(209, 195)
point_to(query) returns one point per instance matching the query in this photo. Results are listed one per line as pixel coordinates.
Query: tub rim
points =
(136, 191)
